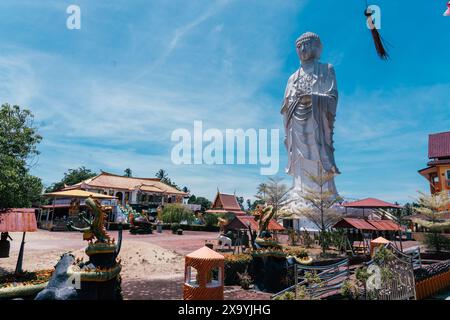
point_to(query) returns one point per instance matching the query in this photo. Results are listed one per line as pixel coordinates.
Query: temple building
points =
(224, 203)
(112, 191)
(437, 171)
(144, 193)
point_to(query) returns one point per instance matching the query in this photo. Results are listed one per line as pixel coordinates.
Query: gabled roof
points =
(370, 203)
(439, 145)
(227, 202)
(371, 225)
(113, 181)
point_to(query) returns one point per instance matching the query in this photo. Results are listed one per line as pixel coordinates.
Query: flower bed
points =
(26, 285)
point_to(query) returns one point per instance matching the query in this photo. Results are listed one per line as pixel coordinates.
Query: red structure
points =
(224, 203)
(370, 203)
(204, 275)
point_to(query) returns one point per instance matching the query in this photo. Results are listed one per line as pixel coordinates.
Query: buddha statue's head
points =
(309, 47)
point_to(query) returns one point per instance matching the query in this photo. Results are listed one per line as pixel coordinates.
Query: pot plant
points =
(180, 232)
(174, 227)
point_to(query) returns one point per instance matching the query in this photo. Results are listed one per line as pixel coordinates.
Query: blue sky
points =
(108, 96)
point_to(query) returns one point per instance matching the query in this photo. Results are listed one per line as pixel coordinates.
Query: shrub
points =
(174, 227)
(245, 280)
(234, 264)
(176, 213)
(350, 290)
(210, 219)
(286, 296)
(437, 241)
(296, 252)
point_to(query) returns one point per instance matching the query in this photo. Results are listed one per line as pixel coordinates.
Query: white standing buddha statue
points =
(309, 112)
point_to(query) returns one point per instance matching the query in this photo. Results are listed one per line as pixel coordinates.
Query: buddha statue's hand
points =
(305, 99)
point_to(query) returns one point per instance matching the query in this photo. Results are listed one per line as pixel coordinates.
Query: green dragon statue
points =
(96, 229)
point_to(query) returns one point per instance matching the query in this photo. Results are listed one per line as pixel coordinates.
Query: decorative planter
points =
(180, 232)
(433, 285)
(159, 228)
(22, 291)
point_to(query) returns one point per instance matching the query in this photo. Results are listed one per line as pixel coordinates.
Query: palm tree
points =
(127, 172)
(162, 174)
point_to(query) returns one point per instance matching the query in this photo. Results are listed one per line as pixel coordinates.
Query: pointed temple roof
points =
(224, 203)
(205, 253)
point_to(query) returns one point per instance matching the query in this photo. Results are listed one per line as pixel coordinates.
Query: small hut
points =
(204, 275)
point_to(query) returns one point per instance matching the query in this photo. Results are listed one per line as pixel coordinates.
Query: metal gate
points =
(395, 278)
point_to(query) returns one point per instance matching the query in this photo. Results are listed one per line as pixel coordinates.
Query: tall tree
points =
(128, 173)
(320, 202)
(274, 193)
(18, 147)
(205, 203)
(71, 177)
(433, 207)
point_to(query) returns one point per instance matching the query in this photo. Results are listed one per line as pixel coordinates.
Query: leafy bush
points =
(296, 252)
(174, 227)
(286, 296)
(437, 241)
(245, 280)
(350, 290)
(234, 264)
(176, 213)
(210, 219)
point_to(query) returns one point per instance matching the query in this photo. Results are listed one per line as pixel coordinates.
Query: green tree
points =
(18, 147)
(433, 207)
(205, 203)
(320, 209)
(176, 213)
(71, 177)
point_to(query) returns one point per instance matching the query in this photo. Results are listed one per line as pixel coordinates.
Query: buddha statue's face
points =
(309, 50)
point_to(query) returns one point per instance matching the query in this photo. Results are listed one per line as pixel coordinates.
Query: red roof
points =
(370, 203)
(359, 224)
(439, 145)
(385, 225)
(362, 224)
(18, 220)
(242, 222)
(227, 203)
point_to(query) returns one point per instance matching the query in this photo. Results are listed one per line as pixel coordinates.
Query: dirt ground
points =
(153, 265)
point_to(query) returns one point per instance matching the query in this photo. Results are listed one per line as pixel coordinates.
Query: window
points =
(214, 278)
(192, 277)
(448, 174)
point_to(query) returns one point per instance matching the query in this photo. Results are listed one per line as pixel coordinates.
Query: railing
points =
(331, 276)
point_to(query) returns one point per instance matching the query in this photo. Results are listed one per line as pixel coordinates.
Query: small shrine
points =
(204, 275)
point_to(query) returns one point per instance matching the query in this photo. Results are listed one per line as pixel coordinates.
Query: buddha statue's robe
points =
(309, 124)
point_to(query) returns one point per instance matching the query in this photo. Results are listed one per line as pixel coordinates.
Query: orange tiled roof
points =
(112, 181)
